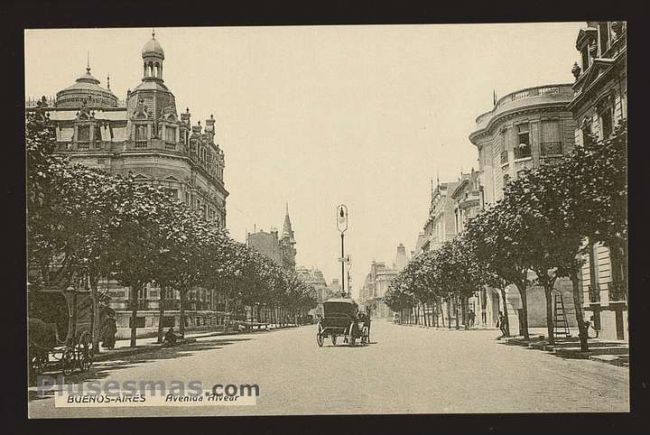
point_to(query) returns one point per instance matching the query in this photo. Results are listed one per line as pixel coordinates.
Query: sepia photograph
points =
(327, 220)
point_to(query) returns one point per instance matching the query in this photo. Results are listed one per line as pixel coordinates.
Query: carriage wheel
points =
(319, 336)
(333, 340)
(39, 362)
(86, 344)
(351, 337)
(85, 351)
(68, 361)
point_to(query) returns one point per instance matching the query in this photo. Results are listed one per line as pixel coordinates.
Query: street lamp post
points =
(342, 225)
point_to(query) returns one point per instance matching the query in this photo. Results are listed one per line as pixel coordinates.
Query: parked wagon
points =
(341, 319)
(60, 326)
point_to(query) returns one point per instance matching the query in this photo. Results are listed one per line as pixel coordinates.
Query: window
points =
(506, 179)
(170, 135)
(187, 198)
(141, 136)
(139, 322)
(168, 321)
(603, 33)
(502, 147)
(585, 58)
(550, 141)
(83, 133)
(522, 150)
(606, 121)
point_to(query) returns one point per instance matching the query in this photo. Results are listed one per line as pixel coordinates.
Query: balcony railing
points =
(171, 304)
(170, 146)
(594, 294)
(617, 292)
(142, 304)
(551, 149)
(521, 152)
(140, 143)
(504, 157)
(83, 145)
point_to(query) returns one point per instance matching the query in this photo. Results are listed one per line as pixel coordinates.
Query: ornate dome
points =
(153, 48)
(86, 89)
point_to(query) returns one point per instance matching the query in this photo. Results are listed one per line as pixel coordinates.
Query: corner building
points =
(524, 130)
(144, 136)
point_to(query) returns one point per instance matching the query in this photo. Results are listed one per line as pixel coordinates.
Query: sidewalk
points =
(146, 344)
(615, 352)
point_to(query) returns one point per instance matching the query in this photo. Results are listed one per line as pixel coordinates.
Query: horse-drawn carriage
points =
(342, 318)
(60, 326)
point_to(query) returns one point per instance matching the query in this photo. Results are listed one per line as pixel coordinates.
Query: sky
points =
(316, 116)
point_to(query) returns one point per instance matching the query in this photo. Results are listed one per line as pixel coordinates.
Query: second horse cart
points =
(60, 330)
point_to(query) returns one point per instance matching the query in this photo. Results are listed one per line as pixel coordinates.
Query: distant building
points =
(599, 103)
(440, 226)
(266, 244)
(280, 249)
(378, 281)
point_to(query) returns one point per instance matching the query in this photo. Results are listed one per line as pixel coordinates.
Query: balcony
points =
(594, 295)
(617, 292)
(141, 143)
(141, 304)
(548, 149)
(522, 152)
(171, 304)
(525, 98)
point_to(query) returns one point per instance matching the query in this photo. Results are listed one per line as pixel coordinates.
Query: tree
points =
(494, 236)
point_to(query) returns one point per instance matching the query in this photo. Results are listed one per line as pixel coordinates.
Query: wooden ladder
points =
(560, 323)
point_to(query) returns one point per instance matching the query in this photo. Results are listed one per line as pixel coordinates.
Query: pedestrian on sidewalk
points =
(170, 337)
(472, 318)
(501, 324)
(109, 329)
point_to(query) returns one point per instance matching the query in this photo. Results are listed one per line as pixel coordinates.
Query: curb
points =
(108, 355)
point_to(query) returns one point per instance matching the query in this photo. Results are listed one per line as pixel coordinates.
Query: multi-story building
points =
(599, 103)
(440, 226)
(378, 280)
(314, 277)
(525, 129)
(265, 243)
(145, 137)
(280, 249)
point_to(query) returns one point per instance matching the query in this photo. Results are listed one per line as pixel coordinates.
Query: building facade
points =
(279, 248)
(440, 226)
(144, 136)
(524, 130)
(266, 244)
(600, 103)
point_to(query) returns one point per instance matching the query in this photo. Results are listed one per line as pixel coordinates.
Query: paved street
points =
(405, 369)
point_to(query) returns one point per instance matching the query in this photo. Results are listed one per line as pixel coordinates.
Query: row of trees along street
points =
(547, 220)
(85, 225)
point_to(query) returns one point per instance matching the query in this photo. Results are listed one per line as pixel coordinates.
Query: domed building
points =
(86, 90)
(145, 136)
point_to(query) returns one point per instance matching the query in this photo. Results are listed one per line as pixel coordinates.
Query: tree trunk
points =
(96, 327)
(135, 290)
(464, 311)
(505, 311)
(161, 313)
(549, 314)
(456, 312)
(577, 304)
(181, 327)
(521, 286)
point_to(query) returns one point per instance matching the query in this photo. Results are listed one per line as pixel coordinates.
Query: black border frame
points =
(146, 13)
